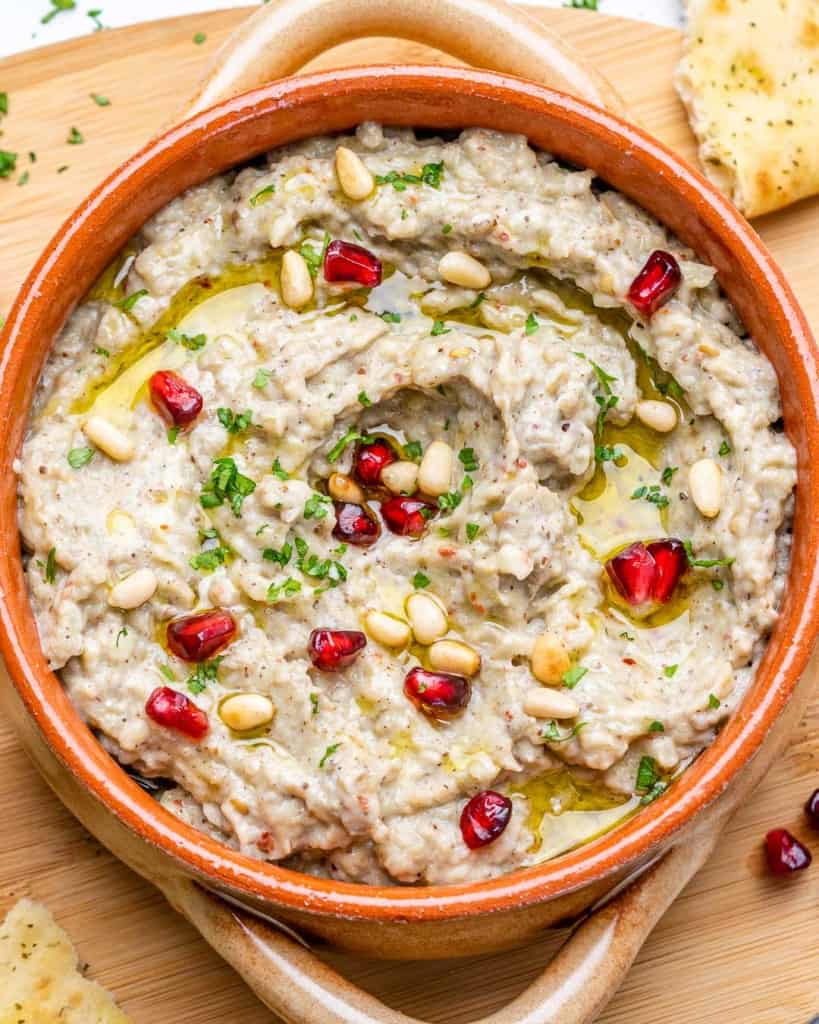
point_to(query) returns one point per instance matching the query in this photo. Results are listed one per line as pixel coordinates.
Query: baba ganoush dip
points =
(416, 509)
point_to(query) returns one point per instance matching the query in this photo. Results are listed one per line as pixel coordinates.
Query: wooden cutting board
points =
(737, 947)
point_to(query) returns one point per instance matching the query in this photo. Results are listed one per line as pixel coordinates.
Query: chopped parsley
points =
(391, 318)
(79, 457)
(651, 494)
(446, 229)
(262, 377)
(413, 451)
(50, 573)
(287, 588)
(122, 633)
(431, 175)
(98, 350)
(262, 195)
(552, 732)
(420, 581)
(332, 572)
(199, 38)
(4, 103)
(472, 531)
(625, 635)
(656, 726)
(438, 328)
(704, 563)
(670, 671)
(23, 179)
(672, 388)
(168, 673)
(667, 474)
(572, 676)
(226, 484)
(128, 303)
(364, 399)
(279, 557)
(532, 324)
(647, 774)
(57, 7)
(725, 449)
(468, 459)
(207, 672)
(350, 437)
(191, 342)
(211, 558)
(717, 584)
(75, 137)
(316, 506)
(235, 423)
(173, 433)
(713, 701)
(450, 501)
(101, 101)
(607, 453)
(606, 400)
(328, 753)
(8, 163)
(582, 5)
(477, 301)
(278, 471)
(314, 703)
(312, 258)
(95, 15)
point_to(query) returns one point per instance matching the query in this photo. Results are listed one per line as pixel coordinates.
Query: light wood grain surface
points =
(738, 947)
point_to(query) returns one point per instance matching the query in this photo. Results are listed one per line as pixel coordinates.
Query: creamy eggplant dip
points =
(416, 508)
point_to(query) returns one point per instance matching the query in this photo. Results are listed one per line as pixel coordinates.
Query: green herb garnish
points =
(191, 342)
(438, 328)
(199, 38)
(58, 6)
(50, 574)
(656, 726)
(552, 734)
(651, 494)
(350, 436)
(667, 474)
(572, 676)
(413, 451)
(450, 501)
(79, 457)
(670, 671)
(207, 672)
(226, 484)
(167, 672)
(420, 581)
(101, 101)
(391, 318)
(314, 703)
(364, 399)
(235, 423)
(532, 324)
(262, 377)
(277, 470)
(468, 459)
(128, 303)
(703, 563)
(472, 531)
(328, 753)
(725, 449)
(75, 137)
(172, 435)
(287, 588)
(316, 506)
(262, 195)
(713, 701)
(8, 163)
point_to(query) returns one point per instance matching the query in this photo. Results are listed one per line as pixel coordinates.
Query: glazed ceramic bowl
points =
(670, 838)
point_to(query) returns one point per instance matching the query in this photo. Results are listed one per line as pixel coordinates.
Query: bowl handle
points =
(283, 35)
(573, 988)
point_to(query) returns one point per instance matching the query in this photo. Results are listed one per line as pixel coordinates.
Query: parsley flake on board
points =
(75, 137)
(199, 38)
(207, 672)
(235, 423)
(420, 581)
(226, 484)
(8, 163)
(552, 733)
(349, 437)
(328, 753)
(101, 101)
(316, 506)
(23, 179)
(4, 103)
(191, 342)
(572, 676)
(582, 5)
(128, 303)
(95, 14)
(79, 457)
(262, 195)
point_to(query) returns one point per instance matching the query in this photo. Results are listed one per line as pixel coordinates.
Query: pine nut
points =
(705, 485)
(549, 659)
(355, 180)
(400, 477)
(659, 416)
(427, 616)
(550, 704)
(387, 629)
(134, 590)
(460, 268)
(454, 656)
(343, 488)
(242, 712)
(108, 439)
(435, 471)
(296, 283)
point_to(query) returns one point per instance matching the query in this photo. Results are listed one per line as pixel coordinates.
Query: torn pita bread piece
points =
(40, 980)
(750, 80)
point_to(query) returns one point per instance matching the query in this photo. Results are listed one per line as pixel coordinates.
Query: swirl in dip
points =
(415, 509)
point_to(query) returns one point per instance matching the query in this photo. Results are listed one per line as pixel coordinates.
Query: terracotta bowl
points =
(666, 842)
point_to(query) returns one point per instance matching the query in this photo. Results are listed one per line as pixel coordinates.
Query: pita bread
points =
(750, 80)
(39, 978)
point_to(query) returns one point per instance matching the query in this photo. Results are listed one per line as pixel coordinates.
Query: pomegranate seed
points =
(632, 573)
(670, 563)
(655, 284)
(785, 853)
(173, 710)
(332, 649)
(812, 808)
(199, 637)
(355, 524)
(641, 574)
(484, 818)
(370, 459)
(437, 694)
(345, 261)
(174, 399)
(407, 516)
